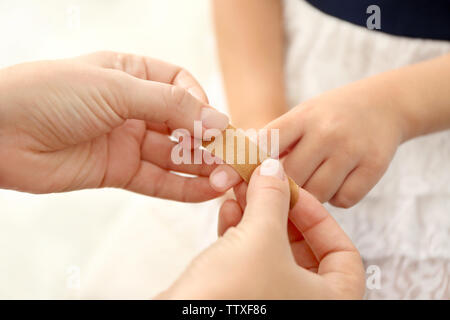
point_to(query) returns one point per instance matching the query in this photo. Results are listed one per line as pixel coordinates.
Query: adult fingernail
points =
(213, 119)
(219, 180)
(272, 168)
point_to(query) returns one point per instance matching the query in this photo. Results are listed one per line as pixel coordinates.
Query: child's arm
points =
(340, 143)
(250, 45)
(421, 93)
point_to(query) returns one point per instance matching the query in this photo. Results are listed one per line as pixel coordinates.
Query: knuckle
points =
(182, 73)
(134, 65)
(175, 97)
(345, 199)
(308, 108)
(348, 151)
(326, 133)
(323, 131)
(273, 188)
(330, 130)
(292, 168)
(320, 192)
(105, 53)
(118, 97)
(119, 61)
(378, 161)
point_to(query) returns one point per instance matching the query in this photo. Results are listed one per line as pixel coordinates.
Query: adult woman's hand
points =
(101, 120)
(257, 258)
(338, 145)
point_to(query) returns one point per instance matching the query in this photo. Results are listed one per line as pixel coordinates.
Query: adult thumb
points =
(165, 103)
(268, 198)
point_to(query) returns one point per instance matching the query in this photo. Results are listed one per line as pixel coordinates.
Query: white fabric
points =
(403, 225)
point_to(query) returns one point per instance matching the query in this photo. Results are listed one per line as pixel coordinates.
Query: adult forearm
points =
(250, 46)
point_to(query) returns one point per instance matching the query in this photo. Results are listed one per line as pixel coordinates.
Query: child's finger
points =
(223, 178)
(327, 179)
(291, 128)
(304, 159)
(303, 255)
(356, 185)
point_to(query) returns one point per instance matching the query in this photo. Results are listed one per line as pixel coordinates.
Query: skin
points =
(257, 258)
(251, 52)
(103, 120)
(95, 121)
(338, 145)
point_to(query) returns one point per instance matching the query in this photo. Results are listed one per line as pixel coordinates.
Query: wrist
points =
(419, 94)
(398, 101)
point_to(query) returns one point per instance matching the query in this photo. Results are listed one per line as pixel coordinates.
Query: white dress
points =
(403, 225)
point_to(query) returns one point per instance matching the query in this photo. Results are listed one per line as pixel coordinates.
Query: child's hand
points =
(336, 146)
(101, 120)
(255, 258)
(340, 144)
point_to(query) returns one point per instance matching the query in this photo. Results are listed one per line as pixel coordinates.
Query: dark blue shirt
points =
(428, 19)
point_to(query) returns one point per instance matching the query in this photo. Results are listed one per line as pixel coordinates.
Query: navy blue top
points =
(428, 19)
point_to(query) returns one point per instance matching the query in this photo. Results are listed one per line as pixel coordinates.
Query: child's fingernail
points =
(272, 168)
(213, 119)
(219, 180)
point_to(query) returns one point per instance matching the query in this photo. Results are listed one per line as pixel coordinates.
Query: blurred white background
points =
(103, 243)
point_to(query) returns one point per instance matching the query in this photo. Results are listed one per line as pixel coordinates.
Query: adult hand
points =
(256, 259)
(101, 120)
